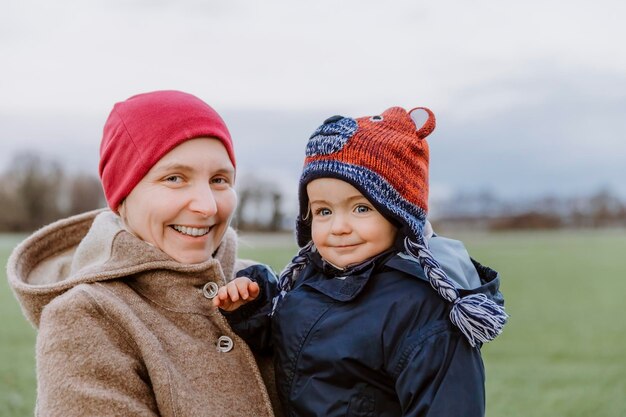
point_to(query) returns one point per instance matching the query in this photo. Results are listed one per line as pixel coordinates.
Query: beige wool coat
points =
(124, 330)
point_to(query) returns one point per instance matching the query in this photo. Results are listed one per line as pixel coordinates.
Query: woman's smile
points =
(191, 230)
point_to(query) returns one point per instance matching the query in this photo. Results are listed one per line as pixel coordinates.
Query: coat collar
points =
(347, 285)
(341, 285)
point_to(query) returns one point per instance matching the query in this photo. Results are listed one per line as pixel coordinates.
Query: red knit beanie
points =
(142, 129)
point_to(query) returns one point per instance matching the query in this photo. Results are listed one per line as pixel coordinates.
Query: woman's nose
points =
(203, 201)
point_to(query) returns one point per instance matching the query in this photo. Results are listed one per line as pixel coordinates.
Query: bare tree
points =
(12, 214)
(85, 193)
(277, 214)
(34, 185)
(35, 191)
(605, 208)
(259, 206)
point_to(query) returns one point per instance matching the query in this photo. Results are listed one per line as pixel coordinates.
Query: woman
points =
(122, 297)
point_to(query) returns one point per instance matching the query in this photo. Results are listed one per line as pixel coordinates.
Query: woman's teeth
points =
(191, 231)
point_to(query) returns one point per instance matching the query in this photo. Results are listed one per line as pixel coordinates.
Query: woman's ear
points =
(121, 209)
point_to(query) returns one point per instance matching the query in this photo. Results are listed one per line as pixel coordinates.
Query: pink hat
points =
(142, 129)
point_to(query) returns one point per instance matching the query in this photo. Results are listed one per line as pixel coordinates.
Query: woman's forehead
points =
(196, 154)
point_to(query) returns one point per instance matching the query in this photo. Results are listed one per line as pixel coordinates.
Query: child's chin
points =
(345, 262)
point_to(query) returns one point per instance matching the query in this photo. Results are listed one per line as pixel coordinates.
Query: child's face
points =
(346, 228)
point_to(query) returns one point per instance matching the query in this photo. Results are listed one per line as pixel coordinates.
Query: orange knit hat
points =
(385, 157)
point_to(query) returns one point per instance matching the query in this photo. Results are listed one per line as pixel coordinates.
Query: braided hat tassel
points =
(289, 274)
(477, 317)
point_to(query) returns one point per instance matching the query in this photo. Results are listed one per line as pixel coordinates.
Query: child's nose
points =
(340, 225)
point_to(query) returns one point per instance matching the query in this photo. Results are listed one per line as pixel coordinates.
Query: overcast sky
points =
(530, 96)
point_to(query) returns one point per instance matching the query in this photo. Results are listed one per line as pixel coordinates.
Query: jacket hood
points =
(453, 258)
(87, 248)
(467, 275)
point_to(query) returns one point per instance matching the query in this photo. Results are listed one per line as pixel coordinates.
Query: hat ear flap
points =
(424, 120)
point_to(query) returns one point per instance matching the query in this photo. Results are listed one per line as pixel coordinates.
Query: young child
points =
(355, 325)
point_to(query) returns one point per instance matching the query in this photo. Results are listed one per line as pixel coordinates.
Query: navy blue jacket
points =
(377, 342)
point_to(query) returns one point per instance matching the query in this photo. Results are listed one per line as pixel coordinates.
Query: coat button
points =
(224, 344)
(210, 290)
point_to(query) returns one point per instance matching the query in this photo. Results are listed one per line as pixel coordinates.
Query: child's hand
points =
(236, 293)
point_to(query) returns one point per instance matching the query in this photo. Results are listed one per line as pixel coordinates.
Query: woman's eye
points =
(362, 209)
(220, 180)
(176, 179)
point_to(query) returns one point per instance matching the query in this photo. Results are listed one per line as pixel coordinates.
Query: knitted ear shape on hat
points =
(386, 158)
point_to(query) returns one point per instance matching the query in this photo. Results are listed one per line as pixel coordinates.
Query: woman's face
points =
(184, 204)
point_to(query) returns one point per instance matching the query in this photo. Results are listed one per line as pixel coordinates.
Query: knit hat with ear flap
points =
(386, 158)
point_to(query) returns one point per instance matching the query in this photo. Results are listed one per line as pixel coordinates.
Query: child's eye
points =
(362, 209)
(323, 212)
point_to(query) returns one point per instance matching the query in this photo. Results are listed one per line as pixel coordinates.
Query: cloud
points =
(283, 55)
(564, 136)
(529, 96)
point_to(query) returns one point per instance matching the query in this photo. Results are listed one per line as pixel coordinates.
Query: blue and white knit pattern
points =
(331, 137)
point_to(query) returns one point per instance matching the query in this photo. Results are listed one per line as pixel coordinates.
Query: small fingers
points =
(242, 288)
(233, 291)
(221, 299)
(253, 290)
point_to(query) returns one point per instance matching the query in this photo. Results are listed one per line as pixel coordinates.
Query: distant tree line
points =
(485, 210)
(35, 191)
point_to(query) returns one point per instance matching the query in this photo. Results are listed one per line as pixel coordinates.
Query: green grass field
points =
(563, 352)
(17, 347)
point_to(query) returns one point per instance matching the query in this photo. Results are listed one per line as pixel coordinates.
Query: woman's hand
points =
(236, 293)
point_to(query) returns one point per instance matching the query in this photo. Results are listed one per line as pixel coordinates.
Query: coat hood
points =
(87, 248)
